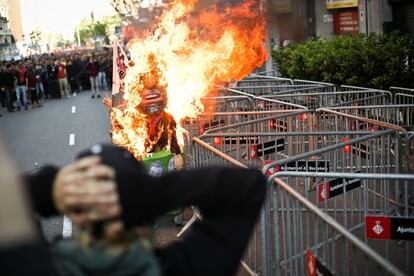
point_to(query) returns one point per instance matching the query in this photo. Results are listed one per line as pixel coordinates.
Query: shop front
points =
(345, 16)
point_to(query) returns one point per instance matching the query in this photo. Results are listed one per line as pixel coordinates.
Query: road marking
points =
(72, 139)
(73, 109)
(67, 227)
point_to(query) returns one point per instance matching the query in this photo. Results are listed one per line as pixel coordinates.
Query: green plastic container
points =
(160, 163)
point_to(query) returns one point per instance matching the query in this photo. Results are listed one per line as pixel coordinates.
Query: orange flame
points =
(188, 53)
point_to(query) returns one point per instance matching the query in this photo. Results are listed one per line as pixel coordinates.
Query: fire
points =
(187, 54)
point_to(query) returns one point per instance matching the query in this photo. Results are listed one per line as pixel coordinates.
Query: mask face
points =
(153, 101)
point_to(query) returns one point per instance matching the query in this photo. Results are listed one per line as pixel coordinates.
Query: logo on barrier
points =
(323, 192)
(236, 140)
(266, 148)
(271, 170)
(314, 267)
(386, 228)
(337, 187)
(253, 152)
(378, 229)
(278, 125)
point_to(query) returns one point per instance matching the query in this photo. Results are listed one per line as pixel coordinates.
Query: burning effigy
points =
(181, 59)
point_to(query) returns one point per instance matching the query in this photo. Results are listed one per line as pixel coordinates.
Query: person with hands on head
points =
(110, 196)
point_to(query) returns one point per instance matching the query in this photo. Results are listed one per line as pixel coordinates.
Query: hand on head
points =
(86, 192)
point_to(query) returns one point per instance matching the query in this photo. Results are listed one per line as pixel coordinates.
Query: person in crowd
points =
(85, 81)
(8, 81)
(102, 74)
(32, 88)
(40, 90)
(73, 76)
(14, 82)
(52, 79)
(62, 78)
(93, 69)
(109, 195)
(21, 88)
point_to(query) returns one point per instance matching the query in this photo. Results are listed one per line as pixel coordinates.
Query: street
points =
(54, 135)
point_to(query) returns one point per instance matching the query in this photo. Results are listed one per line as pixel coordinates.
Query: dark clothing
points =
(73, 77)
(93, 69)
(229, 199)
(164, 124)
(7, 79)
(52, 85)
(22, 76)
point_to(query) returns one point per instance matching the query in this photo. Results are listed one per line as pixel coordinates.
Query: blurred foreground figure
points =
(109, 195)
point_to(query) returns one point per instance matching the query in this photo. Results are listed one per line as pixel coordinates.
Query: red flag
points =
(120, 63)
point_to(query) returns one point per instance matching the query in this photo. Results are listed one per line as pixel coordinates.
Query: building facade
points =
(298, 20)
(8, 49)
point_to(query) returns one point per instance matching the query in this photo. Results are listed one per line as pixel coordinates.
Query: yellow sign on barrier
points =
(336, 4)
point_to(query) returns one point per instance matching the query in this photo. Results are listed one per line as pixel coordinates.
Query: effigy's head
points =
(153, 96)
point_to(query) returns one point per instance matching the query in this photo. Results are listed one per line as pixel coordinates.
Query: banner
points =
(337, 187)
(389, 228)
(336, 4)
(120, 63)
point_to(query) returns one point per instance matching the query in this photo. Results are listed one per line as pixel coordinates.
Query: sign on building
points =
(281, 6)
(347, 22)
(336, 4)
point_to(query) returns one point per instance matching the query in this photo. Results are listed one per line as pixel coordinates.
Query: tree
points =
(91, 30)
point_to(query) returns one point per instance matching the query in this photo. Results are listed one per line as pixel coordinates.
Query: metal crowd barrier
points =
(400, 115)
(272, 88)
(305, 240)
(396, 90)
(316, 95)
(335, 159)
(257, 80)
(339, 98)
(281, 135)
(347, 195)
(288, 257)
(401, 98)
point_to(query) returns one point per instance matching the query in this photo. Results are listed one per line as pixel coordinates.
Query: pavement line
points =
(72, 139)
(67, 227)
(73, 109)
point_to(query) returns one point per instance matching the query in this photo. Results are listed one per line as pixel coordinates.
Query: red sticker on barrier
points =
(323, 191)
(218, 141)
(278, 125)
(310, 264)
(378, 228)
(347, 148)
(271, 170)
(315, 267)
(303, 117)
(253, 152)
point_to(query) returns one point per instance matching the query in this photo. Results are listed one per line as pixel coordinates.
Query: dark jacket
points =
(229, 199)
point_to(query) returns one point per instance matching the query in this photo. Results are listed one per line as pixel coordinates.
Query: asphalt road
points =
(54, 135)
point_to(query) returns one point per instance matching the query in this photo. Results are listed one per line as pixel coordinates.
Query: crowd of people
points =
(30, 81)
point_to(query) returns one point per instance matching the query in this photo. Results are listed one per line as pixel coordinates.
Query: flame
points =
(188, 53)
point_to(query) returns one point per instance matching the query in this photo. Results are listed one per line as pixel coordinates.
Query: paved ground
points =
(55, 134)
(43, 136)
